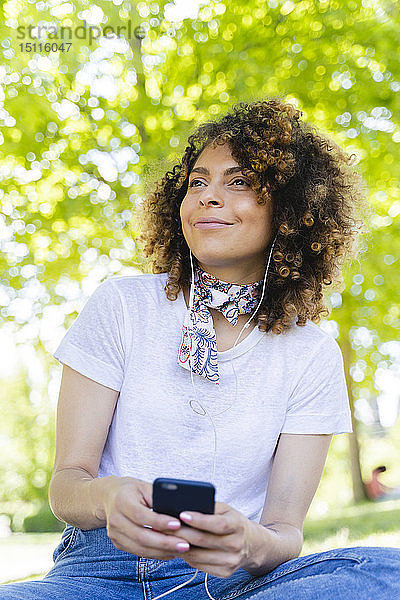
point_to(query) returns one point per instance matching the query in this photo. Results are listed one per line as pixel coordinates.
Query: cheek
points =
(260, 222)
(184, 215)
(184, 209)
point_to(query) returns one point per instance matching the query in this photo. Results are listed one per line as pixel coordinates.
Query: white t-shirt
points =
(127, 337)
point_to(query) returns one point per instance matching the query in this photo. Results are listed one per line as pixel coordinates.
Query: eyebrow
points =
(205, 171)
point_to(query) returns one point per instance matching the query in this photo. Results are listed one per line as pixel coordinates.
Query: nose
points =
(211, 196)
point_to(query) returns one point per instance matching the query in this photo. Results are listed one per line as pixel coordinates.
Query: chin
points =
(209, 262)
(213, 257)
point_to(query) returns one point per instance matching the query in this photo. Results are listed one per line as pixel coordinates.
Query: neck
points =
(232, 275)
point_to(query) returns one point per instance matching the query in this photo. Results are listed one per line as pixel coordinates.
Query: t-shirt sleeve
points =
(94, 343)
(319, 401)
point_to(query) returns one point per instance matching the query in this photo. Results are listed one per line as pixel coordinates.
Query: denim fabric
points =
(87, 565)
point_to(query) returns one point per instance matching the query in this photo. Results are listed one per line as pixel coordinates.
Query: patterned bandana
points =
(198, 334)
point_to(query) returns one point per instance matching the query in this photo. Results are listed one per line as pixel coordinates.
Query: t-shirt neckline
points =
(241, 347)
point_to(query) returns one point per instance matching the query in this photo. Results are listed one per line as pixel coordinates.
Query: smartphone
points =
(172, 496)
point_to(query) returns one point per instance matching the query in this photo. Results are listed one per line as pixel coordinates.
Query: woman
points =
(167, 375)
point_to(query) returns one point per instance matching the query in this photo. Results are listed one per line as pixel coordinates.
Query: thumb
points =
(221, 508)
(145, 490)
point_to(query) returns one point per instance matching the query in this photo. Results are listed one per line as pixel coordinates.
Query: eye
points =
(244, 182)
(240, 179)
(193, 181)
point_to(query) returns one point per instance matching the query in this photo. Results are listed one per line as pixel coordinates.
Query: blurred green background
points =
(87, 118)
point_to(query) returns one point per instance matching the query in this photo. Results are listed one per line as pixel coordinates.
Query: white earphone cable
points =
(203, 409)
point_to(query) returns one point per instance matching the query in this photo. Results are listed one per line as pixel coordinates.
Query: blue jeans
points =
(87, 565)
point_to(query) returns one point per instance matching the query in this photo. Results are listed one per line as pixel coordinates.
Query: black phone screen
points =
(172, 496)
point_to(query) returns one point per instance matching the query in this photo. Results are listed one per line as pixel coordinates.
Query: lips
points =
(212, 220)
(211, 225)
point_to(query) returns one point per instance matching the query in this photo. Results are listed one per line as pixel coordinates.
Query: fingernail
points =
(174, 524)
(181, 546)
(185, 516)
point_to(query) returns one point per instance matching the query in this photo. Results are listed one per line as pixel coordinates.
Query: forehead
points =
(215, 153)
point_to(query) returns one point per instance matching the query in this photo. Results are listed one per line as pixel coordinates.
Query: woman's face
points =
(217, 189)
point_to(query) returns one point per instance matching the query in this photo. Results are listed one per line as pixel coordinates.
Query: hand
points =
(127, 508)
(219, 543)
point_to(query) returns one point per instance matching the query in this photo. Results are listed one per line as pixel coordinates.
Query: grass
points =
(367, 524)
(26, 556)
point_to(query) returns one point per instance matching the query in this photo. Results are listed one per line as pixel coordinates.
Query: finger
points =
(138, 508)
(217, 524)
(145, 490)
(155, 541)
(221, 508)
(182, 531)
(203, 556)
(125, 544)
(197, 537)
(142, 516)
(205, 560)
(137, 540)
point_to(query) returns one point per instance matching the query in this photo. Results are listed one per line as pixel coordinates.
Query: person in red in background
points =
(378, 491)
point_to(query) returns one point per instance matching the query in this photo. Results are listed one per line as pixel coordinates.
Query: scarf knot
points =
(198, 348)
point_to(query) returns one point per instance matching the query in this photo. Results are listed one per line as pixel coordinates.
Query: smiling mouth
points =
(211, 225)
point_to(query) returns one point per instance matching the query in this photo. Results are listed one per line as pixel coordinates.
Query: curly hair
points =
(317, 199)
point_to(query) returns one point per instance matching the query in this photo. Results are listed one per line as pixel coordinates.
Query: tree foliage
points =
(83, 129)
